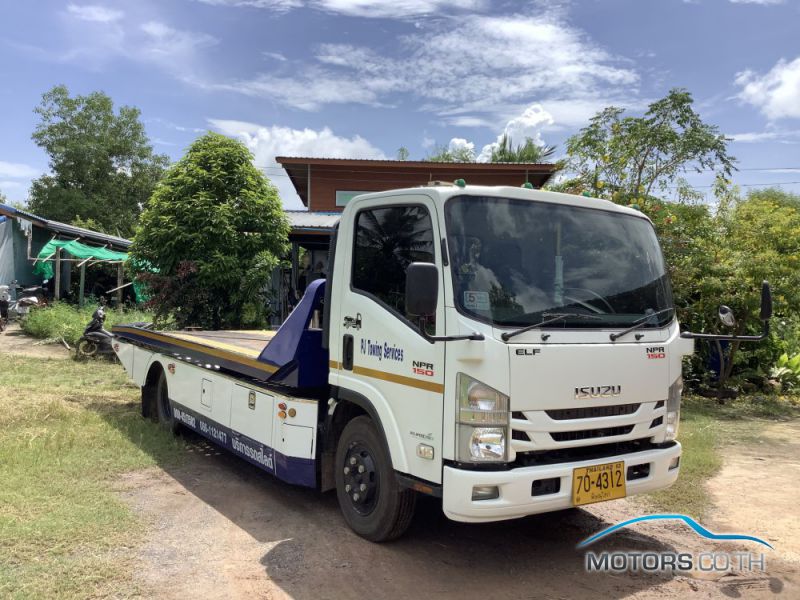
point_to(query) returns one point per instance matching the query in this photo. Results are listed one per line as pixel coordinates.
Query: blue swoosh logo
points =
(698, 529)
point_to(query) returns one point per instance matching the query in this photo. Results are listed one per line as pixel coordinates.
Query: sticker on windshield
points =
(476, 300)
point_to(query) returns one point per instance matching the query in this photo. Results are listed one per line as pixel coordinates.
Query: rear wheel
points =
(87, 348)
(164, 406)
(371, 500)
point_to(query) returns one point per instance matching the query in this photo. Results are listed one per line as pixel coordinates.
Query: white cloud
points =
(396, 8)
(782, 136)
(13, 185)
(267, 142)
(459, 144)
(529, 124)
(477, 73)
(94, 13)
(385, 9)
(274, 56)
(776, 93)
(168, 45)
(762, 2)
(468, 121)
(275, 5)
(17, 170)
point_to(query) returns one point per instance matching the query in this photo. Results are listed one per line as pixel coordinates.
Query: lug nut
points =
(356, 497)
(347, 470)
(347, 488)
(352, 460)
(361, 468)
(363, 487)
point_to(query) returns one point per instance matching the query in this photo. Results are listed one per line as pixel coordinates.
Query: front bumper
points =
(515, 486)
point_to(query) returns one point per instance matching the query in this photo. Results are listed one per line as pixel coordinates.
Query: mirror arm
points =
(475, 336)
(730, 338)
(455, 338)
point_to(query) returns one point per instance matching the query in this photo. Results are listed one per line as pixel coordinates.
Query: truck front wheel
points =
(372, 502)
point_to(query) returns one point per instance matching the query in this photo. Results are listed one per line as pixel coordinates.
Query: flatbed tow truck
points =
(511, 351)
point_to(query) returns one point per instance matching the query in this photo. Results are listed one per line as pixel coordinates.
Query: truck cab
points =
(545, 372)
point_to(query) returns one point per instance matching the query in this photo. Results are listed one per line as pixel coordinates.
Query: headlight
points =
(673, 416)
(483, 420)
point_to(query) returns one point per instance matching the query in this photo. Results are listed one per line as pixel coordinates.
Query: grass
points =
(62, 320)
(706, 428)
(67, 430)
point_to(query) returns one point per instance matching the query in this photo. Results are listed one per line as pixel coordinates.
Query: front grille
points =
(592, 412)
(568, 454)
(586, 434)
(516, 434)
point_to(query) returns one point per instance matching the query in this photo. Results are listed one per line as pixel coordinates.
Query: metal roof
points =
(66, 230)
(427, 164)
(381, 175)
(304, 219)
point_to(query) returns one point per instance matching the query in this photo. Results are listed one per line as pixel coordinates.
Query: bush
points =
(62, 320)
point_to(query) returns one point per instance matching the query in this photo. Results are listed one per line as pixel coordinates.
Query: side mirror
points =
(726, 316)
(766, 302)
(422, 289)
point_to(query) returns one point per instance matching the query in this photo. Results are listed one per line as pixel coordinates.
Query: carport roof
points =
(65, 229)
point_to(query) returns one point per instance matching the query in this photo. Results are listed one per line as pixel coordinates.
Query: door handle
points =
(347, 352)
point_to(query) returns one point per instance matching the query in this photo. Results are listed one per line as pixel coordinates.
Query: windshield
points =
(514, 262)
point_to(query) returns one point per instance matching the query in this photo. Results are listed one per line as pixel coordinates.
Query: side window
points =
(387, 241)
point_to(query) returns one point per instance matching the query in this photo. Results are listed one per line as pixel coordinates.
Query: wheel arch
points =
(349, 404)
(150, 389)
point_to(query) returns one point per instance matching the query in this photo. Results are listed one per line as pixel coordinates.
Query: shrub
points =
(62, 320)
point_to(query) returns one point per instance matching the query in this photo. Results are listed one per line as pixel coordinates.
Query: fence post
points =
(58, 274)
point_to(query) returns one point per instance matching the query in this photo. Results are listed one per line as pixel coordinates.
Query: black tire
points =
(374, 505)
(87, 348)
(164, 406)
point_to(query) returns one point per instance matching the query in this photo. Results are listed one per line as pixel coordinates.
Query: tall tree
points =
(529, 152)
(103, 168)
(451, 154)
(625, 157)
(210, 237)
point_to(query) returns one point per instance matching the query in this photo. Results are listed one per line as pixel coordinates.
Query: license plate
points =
(598, 483)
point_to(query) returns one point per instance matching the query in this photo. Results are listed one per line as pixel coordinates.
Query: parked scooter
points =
(96, 341)
(18, 307)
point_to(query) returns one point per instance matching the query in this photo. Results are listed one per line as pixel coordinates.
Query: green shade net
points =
(80, 251)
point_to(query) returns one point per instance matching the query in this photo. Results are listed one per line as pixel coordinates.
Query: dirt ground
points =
(222, 528)
(14, 341)
(217, 527)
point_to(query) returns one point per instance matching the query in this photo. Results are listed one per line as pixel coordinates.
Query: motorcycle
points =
(96, 341)
(26, 298)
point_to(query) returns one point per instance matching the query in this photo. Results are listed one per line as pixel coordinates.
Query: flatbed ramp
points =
(292, 356)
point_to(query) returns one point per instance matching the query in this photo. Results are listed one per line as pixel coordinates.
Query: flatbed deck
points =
(236, 351)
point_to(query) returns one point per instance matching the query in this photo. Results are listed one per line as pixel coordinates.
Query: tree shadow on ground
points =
(310, 553)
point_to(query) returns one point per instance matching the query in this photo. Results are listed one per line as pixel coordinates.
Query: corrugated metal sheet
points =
(303, 219)
(66, 230)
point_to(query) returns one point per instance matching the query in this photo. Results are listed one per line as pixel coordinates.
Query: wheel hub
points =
(360, 479)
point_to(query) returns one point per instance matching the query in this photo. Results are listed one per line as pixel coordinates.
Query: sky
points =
(361, 78)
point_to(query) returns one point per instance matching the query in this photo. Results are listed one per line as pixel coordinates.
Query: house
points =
(326, 185)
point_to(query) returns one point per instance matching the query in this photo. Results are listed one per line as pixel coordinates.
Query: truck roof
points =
(440, 192)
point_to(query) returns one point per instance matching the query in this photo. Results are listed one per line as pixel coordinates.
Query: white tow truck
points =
(509, 350)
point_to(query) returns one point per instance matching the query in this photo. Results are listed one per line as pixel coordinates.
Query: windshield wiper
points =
(553, 318)
(639, 323)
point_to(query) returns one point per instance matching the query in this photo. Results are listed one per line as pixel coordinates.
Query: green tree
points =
(625, 158)
(529, 152)
(402, 153)
(213, 231)
(450, 154)
(102, 165)
(720, 255)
